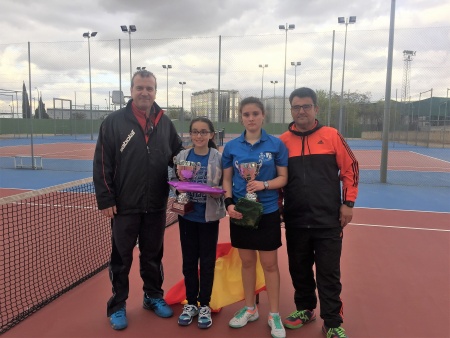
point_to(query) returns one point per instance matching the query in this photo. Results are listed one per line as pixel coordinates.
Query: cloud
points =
(185, 33)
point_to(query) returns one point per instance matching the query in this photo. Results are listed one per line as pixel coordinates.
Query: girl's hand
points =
(233, 213)
(254, 186)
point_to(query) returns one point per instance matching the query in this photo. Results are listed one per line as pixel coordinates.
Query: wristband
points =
(228, 201)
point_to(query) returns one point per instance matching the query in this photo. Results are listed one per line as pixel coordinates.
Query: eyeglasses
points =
(306, 108)
(201, 132)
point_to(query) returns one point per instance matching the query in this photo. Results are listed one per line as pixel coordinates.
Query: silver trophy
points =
(186, 171)
(248, 206)
(249, 171)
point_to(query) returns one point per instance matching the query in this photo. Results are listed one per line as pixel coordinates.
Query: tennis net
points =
(51, 240)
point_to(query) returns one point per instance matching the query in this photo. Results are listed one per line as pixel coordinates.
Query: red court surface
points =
(368, 159)
(401, 160)
(395, 275)
(8, 192)
(75, 151)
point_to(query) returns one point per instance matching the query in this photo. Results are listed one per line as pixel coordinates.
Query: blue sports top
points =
(269, 151)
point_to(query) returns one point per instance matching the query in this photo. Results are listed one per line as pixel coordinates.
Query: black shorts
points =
(266, 238)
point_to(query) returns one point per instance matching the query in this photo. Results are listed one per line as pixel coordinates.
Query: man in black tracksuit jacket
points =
(316, 210)
(135, 146)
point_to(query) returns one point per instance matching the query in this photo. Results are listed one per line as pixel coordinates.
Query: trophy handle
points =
(236, 164)
(258, 167)
(198, 166)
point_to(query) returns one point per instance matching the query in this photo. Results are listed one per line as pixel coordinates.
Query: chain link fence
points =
(60, 74)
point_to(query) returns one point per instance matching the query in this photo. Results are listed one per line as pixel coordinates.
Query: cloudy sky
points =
(171, 25)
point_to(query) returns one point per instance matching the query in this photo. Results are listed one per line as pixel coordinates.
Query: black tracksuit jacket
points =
(128, 172)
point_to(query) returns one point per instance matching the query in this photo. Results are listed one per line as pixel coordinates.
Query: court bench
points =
(26, 162)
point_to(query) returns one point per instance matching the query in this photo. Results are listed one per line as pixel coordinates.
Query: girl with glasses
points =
(199, 229)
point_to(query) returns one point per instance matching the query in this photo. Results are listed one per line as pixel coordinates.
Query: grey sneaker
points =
(189, 312)
(204, 317)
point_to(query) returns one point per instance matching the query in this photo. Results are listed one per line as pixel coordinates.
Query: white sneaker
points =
(277, 327)
(243, 316)
(189, 312)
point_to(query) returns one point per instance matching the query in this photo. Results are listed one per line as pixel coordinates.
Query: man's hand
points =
(109, 212)
(345, 215)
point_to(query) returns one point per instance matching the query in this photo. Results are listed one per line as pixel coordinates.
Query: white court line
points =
(397, 227)
(46, 205)
(406, 210)
(434, 158)
(394, 167)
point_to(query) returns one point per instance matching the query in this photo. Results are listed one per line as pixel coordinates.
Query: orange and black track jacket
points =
(319, 160)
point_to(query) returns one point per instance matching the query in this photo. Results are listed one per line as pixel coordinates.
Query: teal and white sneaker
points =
(189, 312)
(204, 317)
(243, 316)
(277, 327)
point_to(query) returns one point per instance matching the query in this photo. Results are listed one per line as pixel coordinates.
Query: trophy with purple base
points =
(186, 171)
(248, 206)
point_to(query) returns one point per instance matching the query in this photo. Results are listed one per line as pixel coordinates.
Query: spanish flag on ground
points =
(227, 287)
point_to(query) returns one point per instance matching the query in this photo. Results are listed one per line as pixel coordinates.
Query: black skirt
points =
(266, 238)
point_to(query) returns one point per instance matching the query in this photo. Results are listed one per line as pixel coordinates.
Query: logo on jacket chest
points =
(124, 144)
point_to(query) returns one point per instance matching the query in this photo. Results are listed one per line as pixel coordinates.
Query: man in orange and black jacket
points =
(315, 212)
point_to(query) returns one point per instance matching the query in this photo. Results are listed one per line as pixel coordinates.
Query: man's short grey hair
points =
(143, 73)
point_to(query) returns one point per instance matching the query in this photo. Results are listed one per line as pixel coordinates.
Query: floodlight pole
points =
(341, 102)
(131, 67)
(88, 35)
(182, 83)
(262, 79)
(295, 64)
(387, 102)
(445, 116)
(286, 29)
(130, 29)
(274, 83)
(331, 81)
(167, 67)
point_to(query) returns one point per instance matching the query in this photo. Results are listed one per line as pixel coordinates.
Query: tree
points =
(26, 109)
(40, 112)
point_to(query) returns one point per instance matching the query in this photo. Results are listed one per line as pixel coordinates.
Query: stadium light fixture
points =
(167, 67)
(274, 83)
(295, 64)
(262, 79)
(182, 83)
(130, 29)
(346, 21)
(286, 28)
(88, 36)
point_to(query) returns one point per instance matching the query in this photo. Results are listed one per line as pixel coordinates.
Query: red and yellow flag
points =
(227, 287)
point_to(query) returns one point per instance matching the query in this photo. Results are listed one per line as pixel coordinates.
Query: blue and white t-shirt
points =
(199, 199)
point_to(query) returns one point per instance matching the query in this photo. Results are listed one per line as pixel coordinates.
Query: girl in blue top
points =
(199, 229)
(255, 145)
